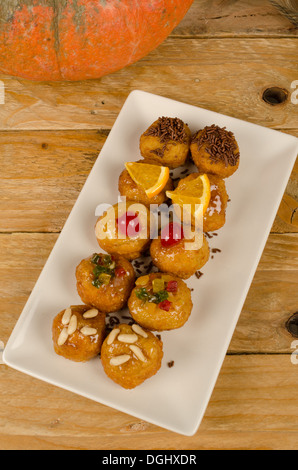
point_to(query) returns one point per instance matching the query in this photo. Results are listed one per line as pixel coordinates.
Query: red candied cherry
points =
(129, 224)
(171, 234)
(165, 305)
(119, 271)
(172, 286)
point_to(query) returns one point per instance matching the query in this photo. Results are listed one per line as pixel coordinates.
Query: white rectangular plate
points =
(175, 398)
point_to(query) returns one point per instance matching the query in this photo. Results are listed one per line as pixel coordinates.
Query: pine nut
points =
(138, 352)
(92, 313)
(118, 360)
(137, 329)
(87, 331)
(112, 336)
(66, 316)
(62, 337)
(73, 323)
(127, 338)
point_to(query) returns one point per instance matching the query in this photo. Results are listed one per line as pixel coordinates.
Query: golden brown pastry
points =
(215, 215)
(129, 189)
(180, 257)
(78, 332)
(124, 229)
(166, 141)
(160, 302)
(130, 355)
(105, 281)
(215, 150)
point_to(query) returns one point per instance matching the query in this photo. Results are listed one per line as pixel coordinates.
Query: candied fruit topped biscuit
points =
(215, 150)
(160, 302)
(124, 229)
(78, 332)
(166, 141)
(130, 355)
(105, 281)
(174, 254)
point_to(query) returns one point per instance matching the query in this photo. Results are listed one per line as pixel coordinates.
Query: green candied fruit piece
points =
(142, 294)
(160, 296)
(104, 278)
(156, 298)
(106, 260)
(95, 258)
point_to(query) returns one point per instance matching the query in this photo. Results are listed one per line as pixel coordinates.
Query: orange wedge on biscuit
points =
(196, 192)
(152, 178)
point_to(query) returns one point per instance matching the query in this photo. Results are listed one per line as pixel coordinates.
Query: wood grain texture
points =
(227, 76)
(42, 174)
(253, 406)
(217, 18)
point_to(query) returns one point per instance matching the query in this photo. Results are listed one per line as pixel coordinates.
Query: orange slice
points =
(152, 178)
(197, 191)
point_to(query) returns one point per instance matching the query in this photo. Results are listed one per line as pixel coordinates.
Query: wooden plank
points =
(286, 219)
(42, 174)
(248, 18)
(210, 73)
(272, 298)
(253, 406)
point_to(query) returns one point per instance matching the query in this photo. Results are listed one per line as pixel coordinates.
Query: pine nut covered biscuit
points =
(78, 332)
(130, 355)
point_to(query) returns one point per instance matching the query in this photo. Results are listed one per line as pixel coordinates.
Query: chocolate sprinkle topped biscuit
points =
(168, 129)
(220, 144)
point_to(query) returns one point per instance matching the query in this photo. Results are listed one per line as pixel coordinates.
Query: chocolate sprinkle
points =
(198, 274)
(125, 317)
(168, 129)
(220, 144)
(159, 151)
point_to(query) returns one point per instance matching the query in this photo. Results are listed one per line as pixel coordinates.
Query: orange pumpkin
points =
(80, 39)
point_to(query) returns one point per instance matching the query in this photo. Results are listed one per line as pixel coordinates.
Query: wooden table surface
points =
(50, 137)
